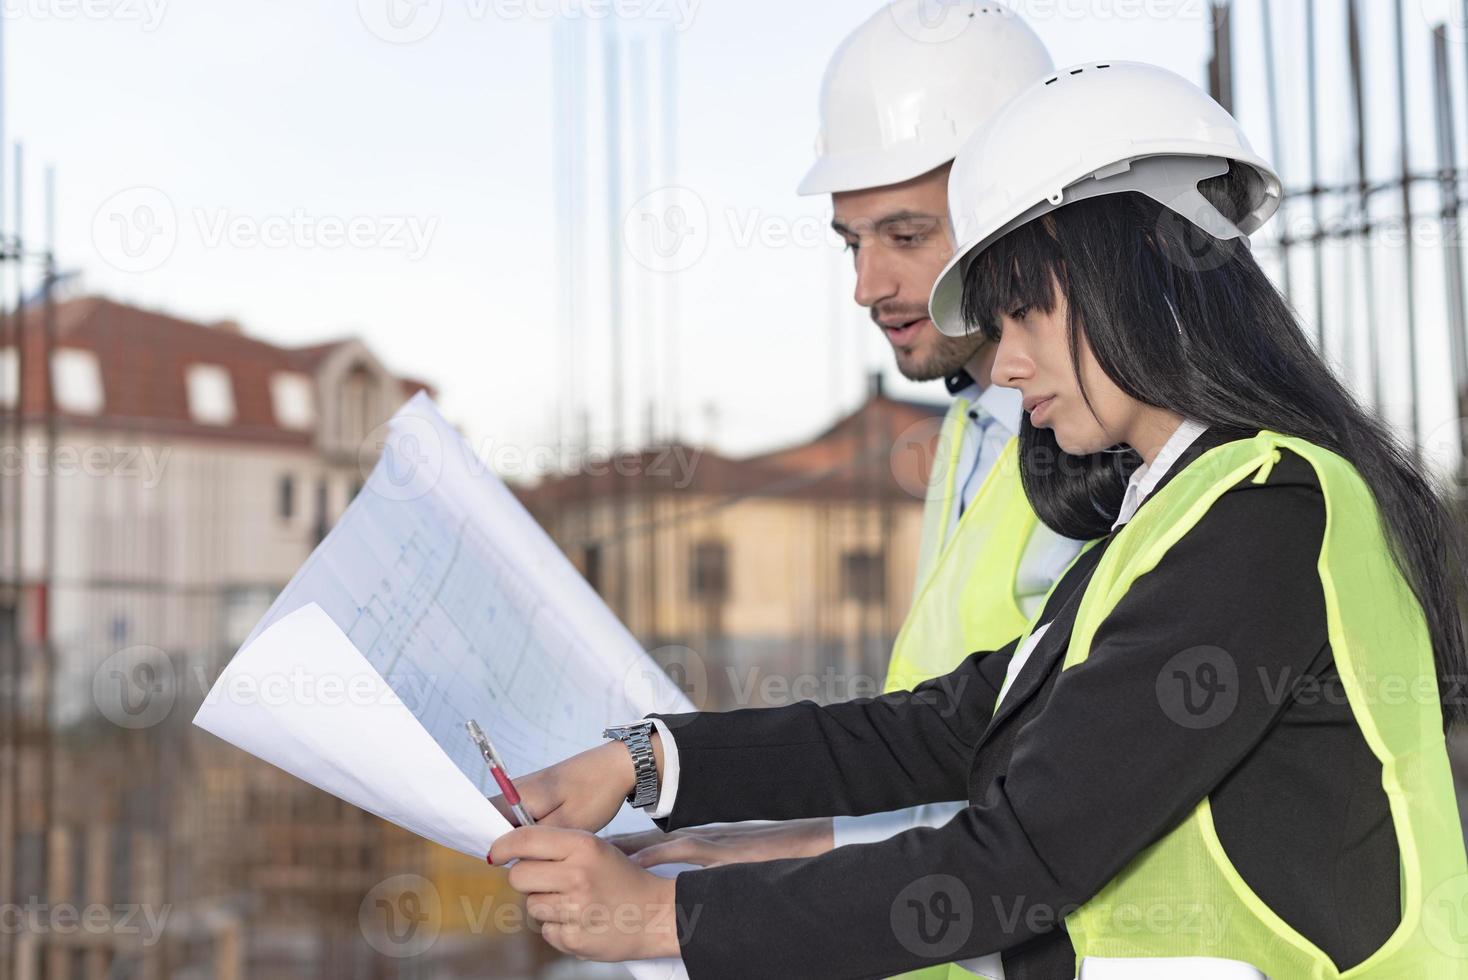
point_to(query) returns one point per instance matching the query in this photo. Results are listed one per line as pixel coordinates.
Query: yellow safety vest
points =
(965, 596)
(965, 599)
(1380, 640)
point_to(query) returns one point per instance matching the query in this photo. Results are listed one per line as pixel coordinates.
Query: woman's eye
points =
(1020, 313)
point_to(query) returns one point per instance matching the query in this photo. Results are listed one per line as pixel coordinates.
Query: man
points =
(900, 96)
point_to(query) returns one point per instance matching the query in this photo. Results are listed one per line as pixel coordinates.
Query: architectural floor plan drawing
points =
(437, 591)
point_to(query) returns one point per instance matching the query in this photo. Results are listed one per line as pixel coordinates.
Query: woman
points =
(1221, 738)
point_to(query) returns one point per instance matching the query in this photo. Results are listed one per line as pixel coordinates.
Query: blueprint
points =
(463, 608)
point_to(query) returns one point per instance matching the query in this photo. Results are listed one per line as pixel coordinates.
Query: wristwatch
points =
(638, 739)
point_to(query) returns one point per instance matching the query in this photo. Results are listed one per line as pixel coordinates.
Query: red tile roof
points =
(143, 356)
(864, 455)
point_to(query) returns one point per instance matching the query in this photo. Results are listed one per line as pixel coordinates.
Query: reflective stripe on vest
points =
(965, 596)
(1182, 896)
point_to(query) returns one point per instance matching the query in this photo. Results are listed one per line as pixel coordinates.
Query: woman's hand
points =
(591, 900)
(583, 792)
(712, 846)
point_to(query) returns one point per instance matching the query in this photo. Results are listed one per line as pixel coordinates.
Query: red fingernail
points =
(489, 858)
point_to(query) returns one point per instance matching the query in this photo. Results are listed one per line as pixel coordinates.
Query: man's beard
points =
(947, 356)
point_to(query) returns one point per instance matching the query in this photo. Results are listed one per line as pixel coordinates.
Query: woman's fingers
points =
(550, 908)
(536, 843)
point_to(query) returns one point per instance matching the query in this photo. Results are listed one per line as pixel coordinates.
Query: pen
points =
(497, 769)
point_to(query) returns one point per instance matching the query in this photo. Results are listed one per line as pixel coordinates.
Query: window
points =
(286, 497)
(864, 576)
(709, 575)
(323, 518)
(293, 399)
(211, 398)
(356, 405)
(591, 558)
(9, 376)
(77, 380)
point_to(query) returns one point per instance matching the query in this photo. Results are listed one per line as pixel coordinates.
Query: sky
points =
(387, 169)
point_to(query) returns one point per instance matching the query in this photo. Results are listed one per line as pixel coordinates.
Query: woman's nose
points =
(1012, 364)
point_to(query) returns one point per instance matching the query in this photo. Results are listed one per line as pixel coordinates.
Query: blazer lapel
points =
(1043, 660)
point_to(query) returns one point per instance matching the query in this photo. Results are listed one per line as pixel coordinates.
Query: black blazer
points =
(1075, 774)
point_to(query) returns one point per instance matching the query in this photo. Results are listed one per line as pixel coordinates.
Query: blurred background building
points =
(161, 479)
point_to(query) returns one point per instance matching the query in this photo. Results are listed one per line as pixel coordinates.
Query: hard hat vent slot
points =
(1052, 80)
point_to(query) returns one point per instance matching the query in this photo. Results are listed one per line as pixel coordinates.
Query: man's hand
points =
(583, 792)
(591, 900)
(713, 846)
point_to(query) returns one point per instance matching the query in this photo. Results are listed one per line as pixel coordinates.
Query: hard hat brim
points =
(844, 172)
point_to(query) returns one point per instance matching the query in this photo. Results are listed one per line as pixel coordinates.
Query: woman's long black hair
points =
(1183, 321)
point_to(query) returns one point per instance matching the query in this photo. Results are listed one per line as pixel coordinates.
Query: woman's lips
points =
(1037, 413)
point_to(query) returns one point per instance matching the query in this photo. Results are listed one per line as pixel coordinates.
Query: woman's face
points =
(1034, 357)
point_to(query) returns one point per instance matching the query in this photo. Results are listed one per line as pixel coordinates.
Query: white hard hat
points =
(907, 87)
(1086, 132)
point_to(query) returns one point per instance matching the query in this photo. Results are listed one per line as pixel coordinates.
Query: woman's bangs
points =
(1019, 270)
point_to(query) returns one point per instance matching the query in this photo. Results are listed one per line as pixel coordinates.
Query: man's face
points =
(900, 240)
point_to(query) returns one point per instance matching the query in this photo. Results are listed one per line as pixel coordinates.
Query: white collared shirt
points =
(1144, 480)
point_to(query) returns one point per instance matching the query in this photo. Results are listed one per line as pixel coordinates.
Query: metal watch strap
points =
(638, 739)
